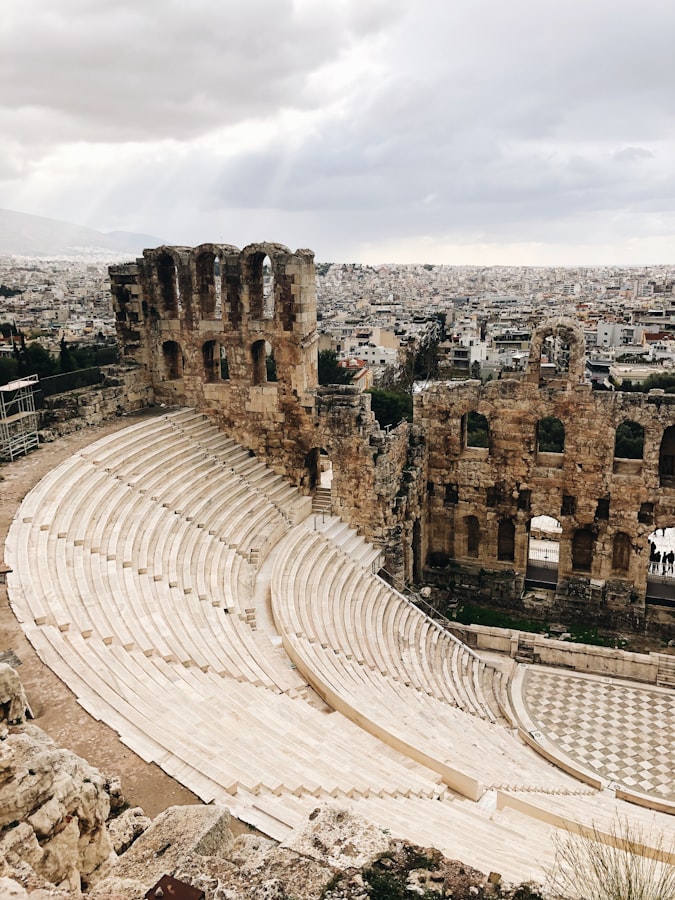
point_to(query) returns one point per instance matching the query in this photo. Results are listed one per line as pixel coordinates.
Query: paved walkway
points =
(621, 730)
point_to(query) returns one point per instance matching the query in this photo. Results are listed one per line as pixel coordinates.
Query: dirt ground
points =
(54, 706)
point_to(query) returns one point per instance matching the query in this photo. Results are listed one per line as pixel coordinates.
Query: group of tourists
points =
(660, 562)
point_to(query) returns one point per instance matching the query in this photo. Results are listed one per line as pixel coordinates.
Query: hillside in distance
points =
(22, 234)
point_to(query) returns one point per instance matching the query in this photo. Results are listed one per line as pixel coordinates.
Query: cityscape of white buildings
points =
(371, 316)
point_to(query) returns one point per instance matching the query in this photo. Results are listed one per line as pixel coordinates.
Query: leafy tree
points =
(8, 369)
(550, 435)
(477, 430)
(390, 407)
(630, 439)
(329, 370)
(6, 330)
(67, 361)
(475, 369)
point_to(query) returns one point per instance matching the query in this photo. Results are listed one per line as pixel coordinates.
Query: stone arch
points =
(280, 305)
(506, 540)
(543, 551)
(667, 458)
(621, 552)
(472, 535)
(629, 440)
(568, 332)
(211, 361)
(258, 361)
(206, 284)
(172, 356)
(550, 435)
(168, 282)
(475, 430)
(583, 542)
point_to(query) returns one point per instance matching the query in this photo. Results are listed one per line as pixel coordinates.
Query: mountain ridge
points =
(23, 234)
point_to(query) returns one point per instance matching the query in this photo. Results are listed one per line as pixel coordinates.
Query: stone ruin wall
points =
(175, 311)
(414, 489)
(120, 392)
(602, 502)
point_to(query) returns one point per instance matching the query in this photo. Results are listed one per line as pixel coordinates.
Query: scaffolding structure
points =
(18, 418)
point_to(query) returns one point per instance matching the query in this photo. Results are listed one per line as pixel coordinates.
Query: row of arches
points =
(543, 551)
(549, 431)
(215, 364)
(629, 440)
(214, 283)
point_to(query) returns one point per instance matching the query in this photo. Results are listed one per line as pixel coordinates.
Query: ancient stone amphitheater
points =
(191, 599)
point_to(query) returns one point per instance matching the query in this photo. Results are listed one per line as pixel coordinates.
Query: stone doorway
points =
(543, 552)
(661, 567)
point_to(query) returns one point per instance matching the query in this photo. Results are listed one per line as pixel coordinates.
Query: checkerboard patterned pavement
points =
(624, 732)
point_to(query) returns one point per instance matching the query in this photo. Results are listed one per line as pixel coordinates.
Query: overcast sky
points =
(448, 131)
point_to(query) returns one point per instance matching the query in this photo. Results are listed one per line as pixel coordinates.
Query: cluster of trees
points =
(392, 401)
(31, 358)
(657, 380)
(630, 440)
(550, 435)
(390, 404)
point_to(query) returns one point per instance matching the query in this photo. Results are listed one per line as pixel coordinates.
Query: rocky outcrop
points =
(53, 812)
(57, 840)
(13, 702)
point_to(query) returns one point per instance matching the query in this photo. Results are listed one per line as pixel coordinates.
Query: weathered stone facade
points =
(203, 331)
(418, 489)
(481, 501)
(121, 392)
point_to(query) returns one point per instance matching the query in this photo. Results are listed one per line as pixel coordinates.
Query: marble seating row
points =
(132, 574)
(327, 621)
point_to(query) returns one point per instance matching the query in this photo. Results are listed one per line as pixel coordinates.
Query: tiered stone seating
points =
(137, 566)
(323, 605)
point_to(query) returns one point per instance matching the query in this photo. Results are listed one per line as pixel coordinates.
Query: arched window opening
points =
(661, 566)
(268, 288)
(630, 440)
(582, 549)
(506, 541)
(667, 458)
(261, 286)
(167, 277)
(206, 283)
(550, 435)
(211, 361)
(543, 552)
(476, 430)
(621, 552)
(173, 360)
(224, 366)
(472, 529)
(270, 363)
(258, 359)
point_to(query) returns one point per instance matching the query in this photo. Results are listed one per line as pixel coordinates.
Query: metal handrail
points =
(437, 619)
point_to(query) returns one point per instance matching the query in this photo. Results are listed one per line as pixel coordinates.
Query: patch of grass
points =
(471, 614)
(581, 634)
(385, 885)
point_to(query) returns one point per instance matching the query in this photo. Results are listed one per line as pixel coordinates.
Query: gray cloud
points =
(370, 121)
